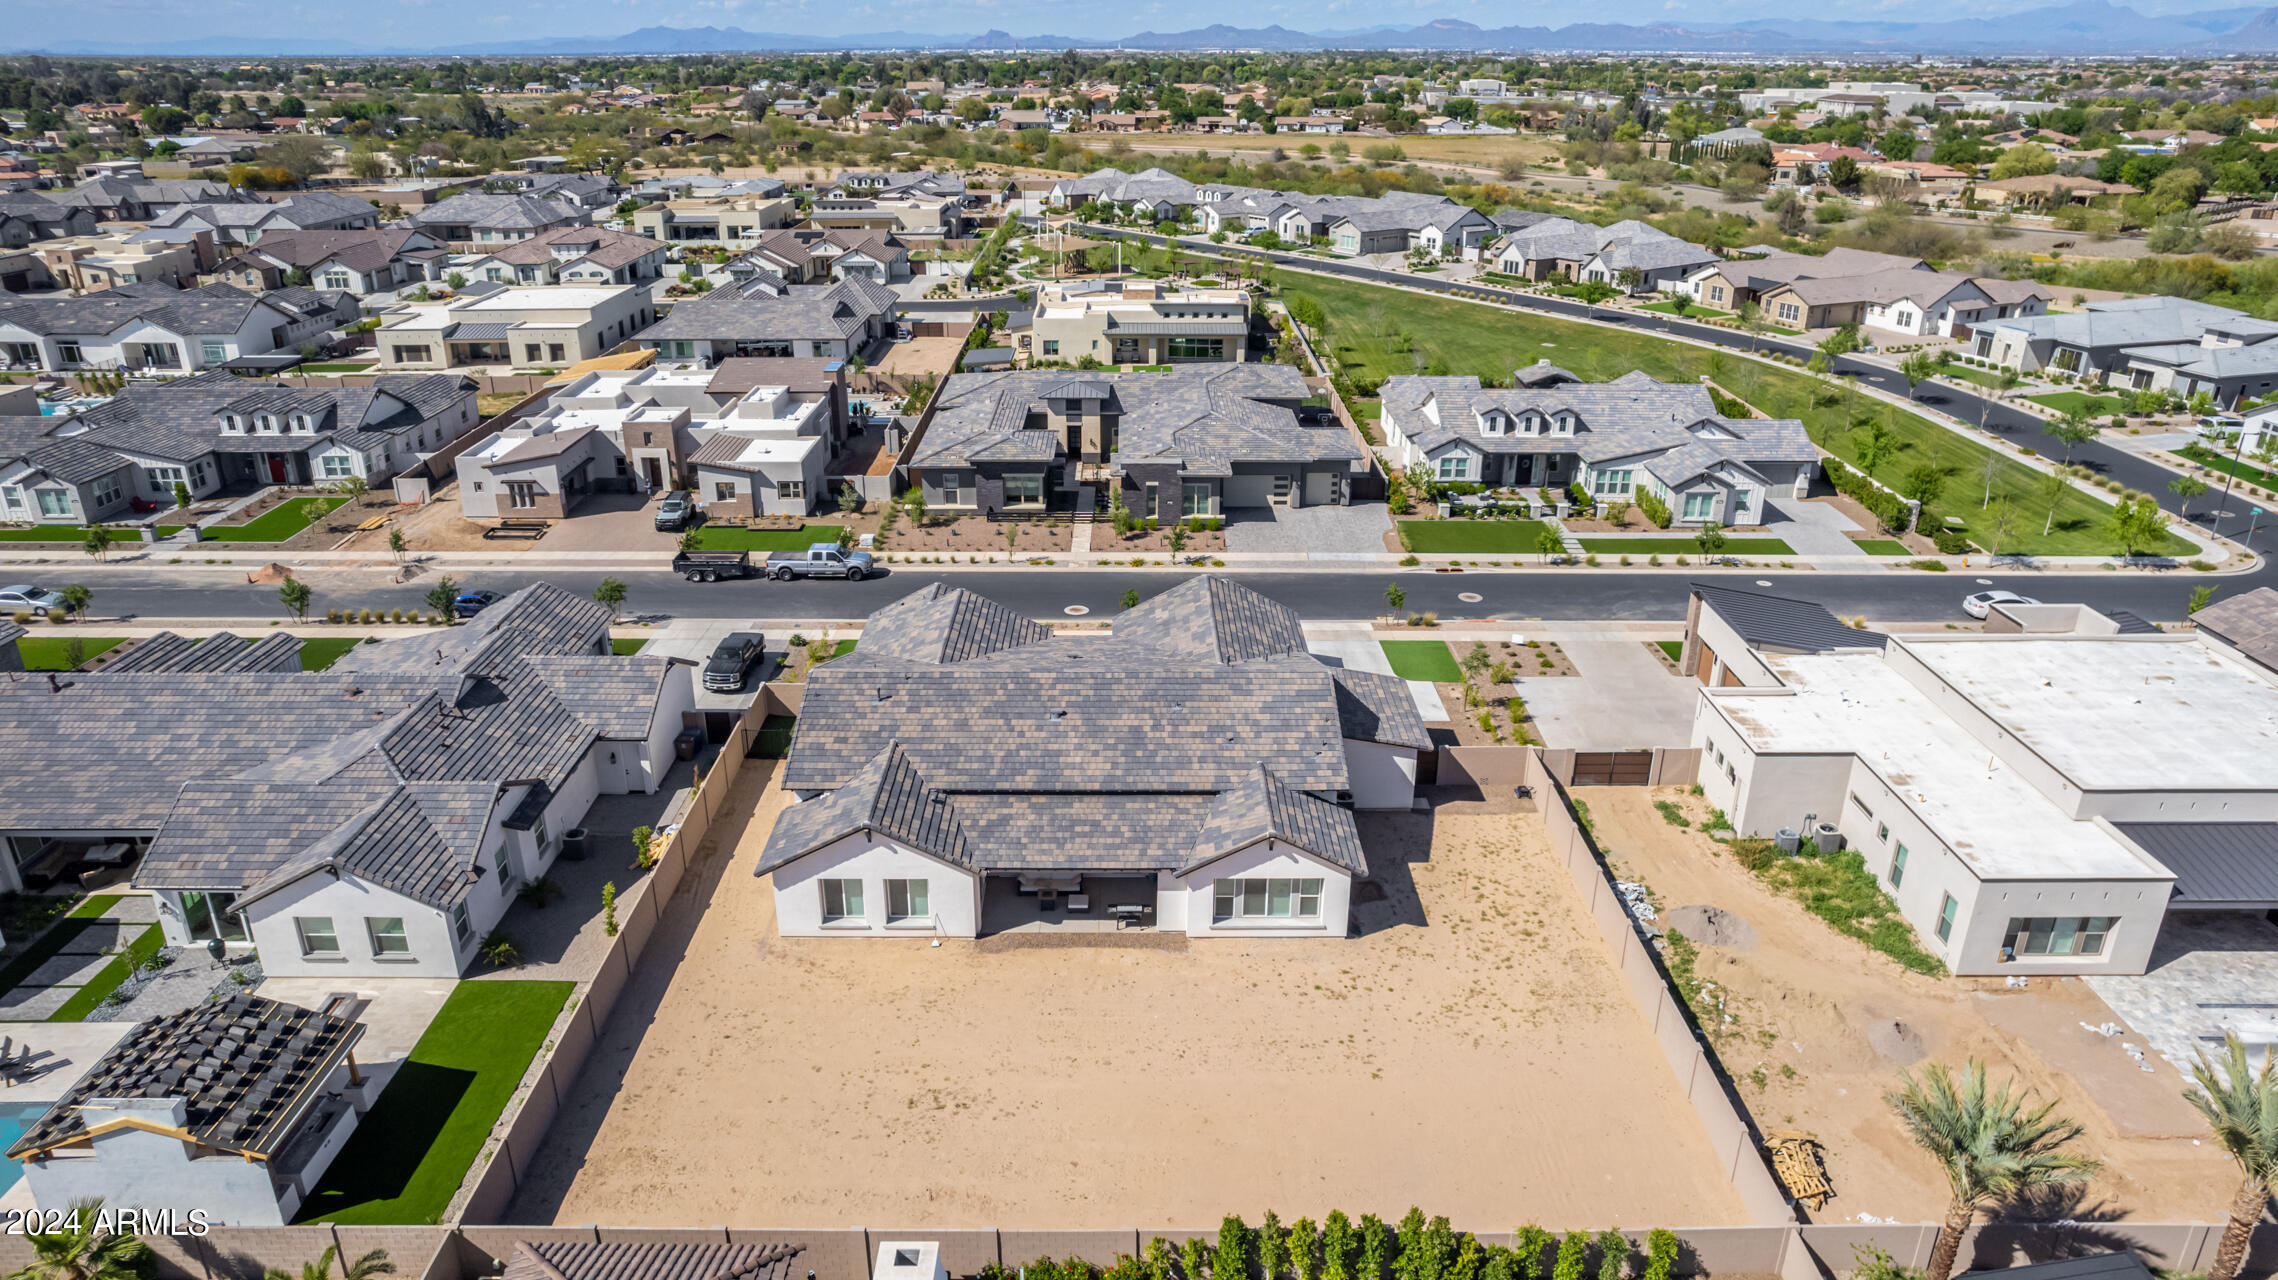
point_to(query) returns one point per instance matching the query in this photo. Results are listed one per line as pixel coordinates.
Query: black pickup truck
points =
(712, 566)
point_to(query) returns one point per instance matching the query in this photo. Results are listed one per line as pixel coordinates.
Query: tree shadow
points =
(379, 1159)
(2047, 1225)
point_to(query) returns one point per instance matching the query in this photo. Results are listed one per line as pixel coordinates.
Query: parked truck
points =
(711, 566)
(821, 560)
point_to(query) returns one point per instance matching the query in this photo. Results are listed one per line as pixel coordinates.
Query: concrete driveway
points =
(1358, 529)
(1620, 698)
(609, 522)
(695, 638)
(1356, 649)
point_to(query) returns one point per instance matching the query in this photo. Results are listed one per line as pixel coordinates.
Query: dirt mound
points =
(1896, 1041)
(269, 573)
(1713, 927)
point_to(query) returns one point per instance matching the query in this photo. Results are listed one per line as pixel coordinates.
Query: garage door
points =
(1249, 491)
(1320, 488)
(1612, 768)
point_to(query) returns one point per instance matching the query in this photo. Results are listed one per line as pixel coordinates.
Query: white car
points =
(37, 601)
(1977, 606)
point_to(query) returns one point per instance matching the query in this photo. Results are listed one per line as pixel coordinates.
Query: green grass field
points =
(626, 648)
(722, 538)
(1883, 547)
(1476, 537)
(319, 654)
(1674, 648)
(275, 525)
(49, 653)
(408, 1157)
(71, 533)
(1982, 377)
(1692, 311)
(2081, 401)
(1422, 660)
(2228, 465)
(1378, 331)
(1681, 546)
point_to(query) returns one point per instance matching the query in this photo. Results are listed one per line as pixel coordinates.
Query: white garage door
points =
(1249, 491)
(1320, 488)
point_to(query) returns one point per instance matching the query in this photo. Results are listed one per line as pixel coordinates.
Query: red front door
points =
(276, 469)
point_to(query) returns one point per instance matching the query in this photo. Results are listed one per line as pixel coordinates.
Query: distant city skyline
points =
(429, 24)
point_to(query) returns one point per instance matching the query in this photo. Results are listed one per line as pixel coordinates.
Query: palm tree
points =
(1991, 1145)
(2241, 1106)
(86, 1249)
(367, 1267)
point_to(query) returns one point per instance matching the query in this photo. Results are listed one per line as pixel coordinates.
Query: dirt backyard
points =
(1472, 1052)
(1821, 1026)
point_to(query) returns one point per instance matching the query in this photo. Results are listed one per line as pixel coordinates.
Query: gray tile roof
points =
(1214, 620)
(247, 1070)
(584, 1260)
(1193, 413)
(1261, 808)
(10, 633)
(542, 618)
(476, 209)
(214, 309)
(221, 651)
(1117, 187)
(616, 696)
(178, 419)
(765, 310)
(2247, 622)
(1629, 417)
(889, 796)
(939, 624)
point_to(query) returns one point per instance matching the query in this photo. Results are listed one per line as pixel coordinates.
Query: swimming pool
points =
(51, 408)
(15, 1119)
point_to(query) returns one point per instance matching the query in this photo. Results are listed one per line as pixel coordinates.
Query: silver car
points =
(37, 601)
(1980, 604)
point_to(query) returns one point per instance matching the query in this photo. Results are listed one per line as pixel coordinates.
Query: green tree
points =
(86, 1249)
(1919, 368)
(76, 597)
(443, 597)
(2186, 488)
(1303, 1249)
(2073, 429)
(1547, 544)
(1340, 1248)
(1533, 1242)
(1131, 599)
(1875, 447)
(1408, 1244)
(2053, 488)
(2240, 1105)
(367, 1267)
(610, 592)
(1660, 1254)
(2201, 597)
(1573, 1256)
(2138, 525)
(181, 494)
(1990, 1142)
(1923, 483)
(395, 544)
(98, 541)
(2024, 161)
(1231, 1259)
(294, 594)
(1613, 1255)
(1376, 1243)
(1394, 597)
(1271, 1242)
(1710, 538)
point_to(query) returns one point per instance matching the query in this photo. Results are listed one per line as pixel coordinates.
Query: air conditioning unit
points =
(1786, 840)
(1826, 838)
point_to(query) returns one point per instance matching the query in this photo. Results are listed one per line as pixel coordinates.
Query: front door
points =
(652, 469)
(277, 469)
(1524, 475)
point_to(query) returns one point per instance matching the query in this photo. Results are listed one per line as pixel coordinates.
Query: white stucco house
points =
(965, 772)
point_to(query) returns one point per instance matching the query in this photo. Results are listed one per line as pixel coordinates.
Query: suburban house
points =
(480, 220)
(1553, 430)
(143, 200)
(906, 216)
(1917, 303)
(1561, 248)
(27, 218)
(1133, 322)
(734, 221)
(1730, 284)
(373, 820)
(2032, 801)
(750, 437)
(1396, 226)
(2043, 190)
(233, 1108)
(214, 432)
(360, 262)
(159, 328)
(537, 326)
(91, 263)
(1153, 193)
(966, 771)
(808, 255)
(573, 255)
(594, 191)
(2157, 343)
(241, 223)
(1195, 440)
(1804, 164)
(763, 316)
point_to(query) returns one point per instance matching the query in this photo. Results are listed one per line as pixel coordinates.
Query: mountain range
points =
(2091, 27)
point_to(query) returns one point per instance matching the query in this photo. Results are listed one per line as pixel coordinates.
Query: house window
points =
(2056, 936)
(789, 489)
(1198, 349)
(318, 937)
(213, 352)
(303, 425)
(1882, 832)
(265, 424)
(906, 900)
(411, 355)
(1612, 484)
(1024, 491)
(163, 479)
(1790, 313)
(65, 352)
(336, 466)
(1898, 866)
(1051, 346)
(338, 280)
(2068, 360)
(503, 868)
(530, 352)
(461, 927)
(554, 352)
(54, 502)
(1455, 466)
(819, 348)
(1862, 804)
(522, 493)
(1194, 499)
(1263, 898)
(1700, 506)
(388, 936)
(842, 900)
(1946, 909)
(952, 490)
(232, 425)
(106, 491)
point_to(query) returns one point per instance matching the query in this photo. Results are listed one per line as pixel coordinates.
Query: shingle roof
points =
(1193, 413)
(603, 246)
(221, 651)
(502, 212)
(889, 796)
(755, 312)
(214, 309)
(247, 1070)
(177, 419)
(2248, 622)
(584, 1260)
(1261, 808)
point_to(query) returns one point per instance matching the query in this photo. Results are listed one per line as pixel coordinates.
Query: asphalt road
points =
(1048, 592)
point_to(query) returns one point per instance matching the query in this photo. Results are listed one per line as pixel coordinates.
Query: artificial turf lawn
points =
(1692, 311)
(1982, 377)
(70, 533)
(274, 525)
(46, 653)
(2081, 401)
(1485, 537)
(1883, 547)
(45, 947)
(723, 538)
(407, 1158)
(1378, 332)
(1683, 546)
(626, 648)
(1422, 660)
(107, 979)
(319, 654)
(1671, 647)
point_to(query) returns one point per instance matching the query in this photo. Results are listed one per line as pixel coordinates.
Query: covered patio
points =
(1068, 904)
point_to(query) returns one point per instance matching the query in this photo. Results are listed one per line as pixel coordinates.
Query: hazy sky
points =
(445, 23)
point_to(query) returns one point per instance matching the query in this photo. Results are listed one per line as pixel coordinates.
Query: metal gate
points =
(1612, 768)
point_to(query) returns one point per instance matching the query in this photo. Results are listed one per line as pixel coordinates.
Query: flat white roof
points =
(545, 297)
(1999, 823)
(2122, 713)
(776, 448)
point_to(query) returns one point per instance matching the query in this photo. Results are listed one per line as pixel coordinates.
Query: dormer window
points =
(1491, 424)
(1563, 424)
(1529, 425)
(233, 425)
(265, 424)
(303, 425)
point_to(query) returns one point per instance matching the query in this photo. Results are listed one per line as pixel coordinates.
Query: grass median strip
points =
(1481, 537)
(1376, 332)
(1882, 547)
(406, 1160)
(1686, 546)
(1422, 660)
(724, 538)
